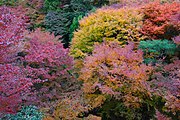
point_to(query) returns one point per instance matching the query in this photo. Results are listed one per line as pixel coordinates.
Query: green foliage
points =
(9, 2)
(113, 109)
(116, 110)
(74, 26)
(155, 50)
(120, 25)
(26, 113)
(59, 22)
(51, 5)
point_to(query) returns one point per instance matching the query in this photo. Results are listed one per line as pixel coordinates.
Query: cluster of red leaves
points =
(116, 71)
(158, 23)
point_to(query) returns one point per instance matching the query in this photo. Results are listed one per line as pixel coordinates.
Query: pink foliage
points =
(48, 60)
(117, 71)
(45, 59)
(12, 78)
(167, 84)
(45, 54)
(14, 85)
(160, 116)
(12, 25)
(177, 40)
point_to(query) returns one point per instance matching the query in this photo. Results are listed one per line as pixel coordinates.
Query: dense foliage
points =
(165, 82)
(121, 25)
(52, 5)
(26, 113)
(47, 60)
(74, 60)
(156, 50)
(13, 80)
(115, 71)
(12, 23)
(157, 20)
(29, 62)
(60, 20)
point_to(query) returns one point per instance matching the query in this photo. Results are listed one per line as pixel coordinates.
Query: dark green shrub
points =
(8, 2)
(51, 5)
(59, 23)
(155, 50)
(116, 110)
(74, 26)
(65, 20)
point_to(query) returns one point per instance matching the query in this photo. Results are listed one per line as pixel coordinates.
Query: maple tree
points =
(14, 85)
(158, 23)
(13, 80)
(29, 62)
(114, 81)
(46, 59)
(115, 71)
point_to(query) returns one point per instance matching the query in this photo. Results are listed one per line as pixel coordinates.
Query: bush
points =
(14, 83)
(121, 25)
(157, 20)
(156, 50)
(115, 71)
(114, 109)
(59, 22)
(71, 106)
(12, 24)
(165, 83)
(26, 113)
(118, 74)
(51, 5)
(46, 59)
(13, 88)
